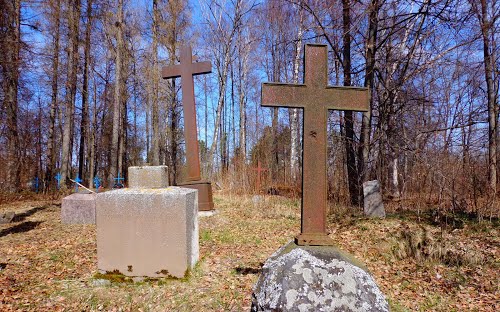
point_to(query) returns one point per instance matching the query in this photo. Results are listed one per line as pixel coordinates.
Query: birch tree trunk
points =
(294, 120)
(73, 24)
(242, 87)
(220, 105)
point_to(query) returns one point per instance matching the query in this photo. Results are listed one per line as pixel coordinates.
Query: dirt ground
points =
(420, 265)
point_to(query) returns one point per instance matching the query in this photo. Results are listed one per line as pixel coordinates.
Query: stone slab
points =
(210, 213)
(148, 177)
(315, 278)
(373, 205)
(147, 232)
(78, 208)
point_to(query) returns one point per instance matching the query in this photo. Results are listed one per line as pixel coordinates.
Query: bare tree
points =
(486, 15)
(352, 174)
(154, 96)
(69, 101)
(84, 126)
(55, 7)
(294, 112)
(222, 32)
(118, 95)
(371, 49)
(11, 44)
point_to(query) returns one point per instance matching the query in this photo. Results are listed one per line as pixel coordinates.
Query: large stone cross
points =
(315, 97)
(186, 70)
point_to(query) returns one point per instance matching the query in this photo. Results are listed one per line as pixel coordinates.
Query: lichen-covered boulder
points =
(315, 278)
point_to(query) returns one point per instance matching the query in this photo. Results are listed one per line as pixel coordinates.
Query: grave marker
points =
(97, 183)
(36, 184)
(118, 184)
(315, 97)
(259, 170)
(186, 70)
(373, 204)
(58, 179)
(311, 274)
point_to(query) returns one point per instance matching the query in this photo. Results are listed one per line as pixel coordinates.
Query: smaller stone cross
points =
(118, 184)
(77, 180)
(58, 179)
(259, 170)
(97, 183)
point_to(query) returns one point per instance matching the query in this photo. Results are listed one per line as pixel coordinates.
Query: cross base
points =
(205, 201)
(314, 239)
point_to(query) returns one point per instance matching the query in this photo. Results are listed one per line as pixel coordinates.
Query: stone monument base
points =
(205, 200)
(78, 208)
(315, 278)
(148, 177)
(147, 232)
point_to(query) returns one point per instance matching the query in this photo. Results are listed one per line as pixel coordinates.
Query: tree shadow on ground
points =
(20, 228)
(248, 270)
(22, 216)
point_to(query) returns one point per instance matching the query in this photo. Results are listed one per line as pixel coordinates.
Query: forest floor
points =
(419, 265)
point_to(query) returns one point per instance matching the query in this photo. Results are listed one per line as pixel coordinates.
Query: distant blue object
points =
(77, 179)
(58, 179)
(36, 184)
(118, 184)
(97, 183)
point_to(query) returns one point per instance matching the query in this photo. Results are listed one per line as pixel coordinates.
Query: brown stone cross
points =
(259, 170)
(315, 97)
(186, 70)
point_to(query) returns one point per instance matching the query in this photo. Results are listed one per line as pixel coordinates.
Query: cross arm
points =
(171, 71)
(200, 68)
(347, 98)
(283, 95)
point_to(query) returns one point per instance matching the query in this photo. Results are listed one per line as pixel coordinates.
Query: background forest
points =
(82, 93)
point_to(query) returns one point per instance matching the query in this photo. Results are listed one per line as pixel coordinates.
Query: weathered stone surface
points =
(315, 278)
(78, 208)
(7, 217)
(210, 213)
(147, 232)
(373, 204)
(148, 177)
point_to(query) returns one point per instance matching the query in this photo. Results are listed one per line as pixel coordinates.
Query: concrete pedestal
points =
(205, 200)
(78, 209)
(147, 232)
(148, 177)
